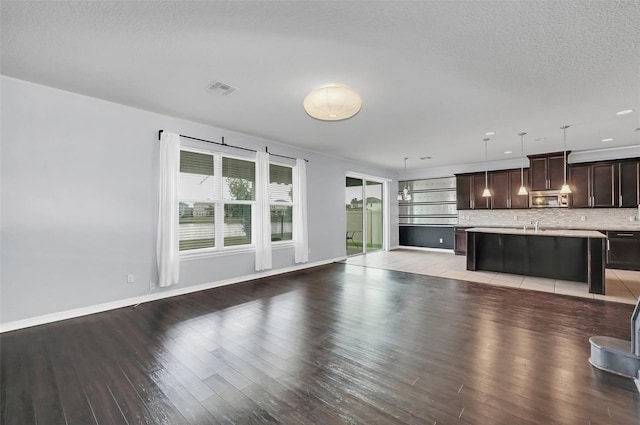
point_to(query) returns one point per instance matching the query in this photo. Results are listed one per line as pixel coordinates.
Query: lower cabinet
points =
(460, 241)
(623, 250)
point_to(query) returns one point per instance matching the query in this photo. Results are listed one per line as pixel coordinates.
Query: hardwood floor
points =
(329, 345)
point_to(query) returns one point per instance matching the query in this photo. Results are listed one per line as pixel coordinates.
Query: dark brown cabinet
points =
(594, 185)
(515, 200)
(629, 183)
(546, 172)
(623, 250)
(460, 241)
(479, 184)
(504, 187)
(463, 192)
(499, 189)
(580, 176)
(469, 188)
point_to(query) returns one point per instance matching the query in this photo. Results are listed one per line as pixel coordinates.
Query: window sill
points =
(196, 255)
(208, 253)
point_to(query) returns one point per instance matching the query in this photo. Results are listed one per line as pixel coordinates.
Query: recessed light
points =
(540, 139)
(625, 112)
(489, 133)
(607, 140)
(507, 152)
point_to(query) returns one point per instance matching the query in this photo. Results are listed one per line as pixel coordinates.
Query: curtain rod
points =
(266, 148)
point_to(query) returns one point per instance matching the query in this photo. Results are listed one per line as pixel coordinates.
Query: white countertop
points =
(541, 232)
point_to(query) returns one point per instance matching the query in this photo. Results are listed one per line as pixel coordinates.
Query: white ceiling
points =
(434, 76)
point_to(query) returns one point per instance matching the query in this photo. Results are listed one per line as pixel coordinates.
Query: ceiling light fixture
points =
(486, 193)
(565, 187)
(404, 195)
(489, 133)
(333, 102)
(625, 112)
(540, 139)
(507, 152)
(607, 140)
(522, 190)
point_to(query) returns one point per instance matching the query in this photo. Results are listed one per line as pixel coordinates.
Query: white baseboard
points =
(98, 308)
(419, 248)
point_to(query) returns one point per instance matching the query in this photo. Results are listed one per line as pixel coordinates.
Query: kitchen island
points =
(576, 255)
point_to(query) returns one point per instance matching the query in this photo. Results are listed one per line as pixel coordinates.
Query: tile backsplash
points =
(564, 218)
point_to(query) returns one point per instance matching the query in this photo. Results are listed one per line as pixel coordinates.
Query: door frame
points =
(386, 207)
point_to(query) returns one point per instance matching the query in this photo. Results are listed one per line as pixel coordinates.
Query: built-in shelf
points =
(433, 202)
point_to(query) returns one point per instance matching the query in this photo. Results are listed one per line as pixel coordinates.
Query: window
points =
(216, 196)
(281, 200)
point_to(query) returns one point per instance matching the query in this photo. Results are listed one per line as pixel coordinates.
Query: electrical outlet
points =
(583, 218)
(130, 278)
(440, 240)
(515, 218)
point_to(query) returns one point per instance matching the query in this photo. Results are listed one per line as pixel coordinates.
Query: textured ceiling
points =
(433, 76)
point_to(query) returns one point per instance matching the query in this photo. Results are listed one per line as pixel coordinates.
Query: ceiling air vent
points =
(221, 88)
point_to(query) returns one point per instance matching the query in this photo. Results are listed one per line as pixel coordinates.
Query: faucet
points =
(537, 226)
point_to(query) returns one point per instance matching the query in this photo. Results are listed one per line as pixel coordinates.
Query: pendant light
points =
(404, 195)
(523, 190)
(565, 187)
(486, 193)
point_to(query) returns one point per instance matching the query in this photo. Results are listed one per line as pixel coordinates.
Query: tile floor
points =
(621, 285)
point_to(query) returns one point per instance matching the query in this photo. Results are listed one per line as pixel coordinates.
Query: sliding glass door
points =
(373, 218)
(355, 216)
(364, 215)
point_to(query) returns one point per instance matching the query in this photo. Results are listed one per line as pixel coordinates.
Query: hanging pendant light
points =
(522, 190)
(565, 187)
(404, 195)
(486, 193)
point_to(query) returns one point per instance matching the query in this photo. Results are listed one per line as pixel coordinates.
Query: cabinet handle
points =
(624, 234)
(608, 246)
(620, 204)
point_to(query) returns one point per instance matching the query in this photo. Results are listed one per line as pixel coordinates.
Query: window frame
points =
(219, 204)
(291, 204)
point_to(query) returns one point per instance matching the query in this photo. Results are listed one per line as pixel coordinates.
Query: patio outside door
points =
(364, 230)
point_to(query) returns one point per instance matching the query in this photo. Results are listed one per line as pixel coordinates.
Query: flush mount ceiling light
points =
(522, 190)
(490, 133)
(565, 187)
(486, 193)
(625, 112)
(608, 140)
(334, 102)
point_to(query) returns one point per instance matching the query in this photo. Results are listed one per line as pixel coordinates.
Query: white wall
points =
(79, 196)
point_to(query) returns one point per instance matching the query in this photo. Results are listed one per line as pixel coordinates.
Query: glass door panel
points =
(374, 216)
(355, 217)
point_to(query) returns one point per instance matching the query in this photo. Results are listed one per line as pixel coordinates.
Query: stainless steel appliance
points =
(548, 199)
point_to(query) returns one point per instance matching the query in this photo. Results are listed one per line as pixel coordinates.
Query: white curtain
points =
(263, 213)
(300, 234)
(167, 251)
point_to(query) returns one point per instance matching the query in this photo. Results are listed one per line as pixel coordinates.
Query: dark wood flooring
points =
(329, 345)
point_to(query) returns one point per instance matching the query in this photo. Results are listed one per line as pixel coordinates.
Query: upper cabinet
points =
(594, 185)
(503, 185)
(469, 188)
(546, 171)
(504, 189)
(629, 183)
(603, 184)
